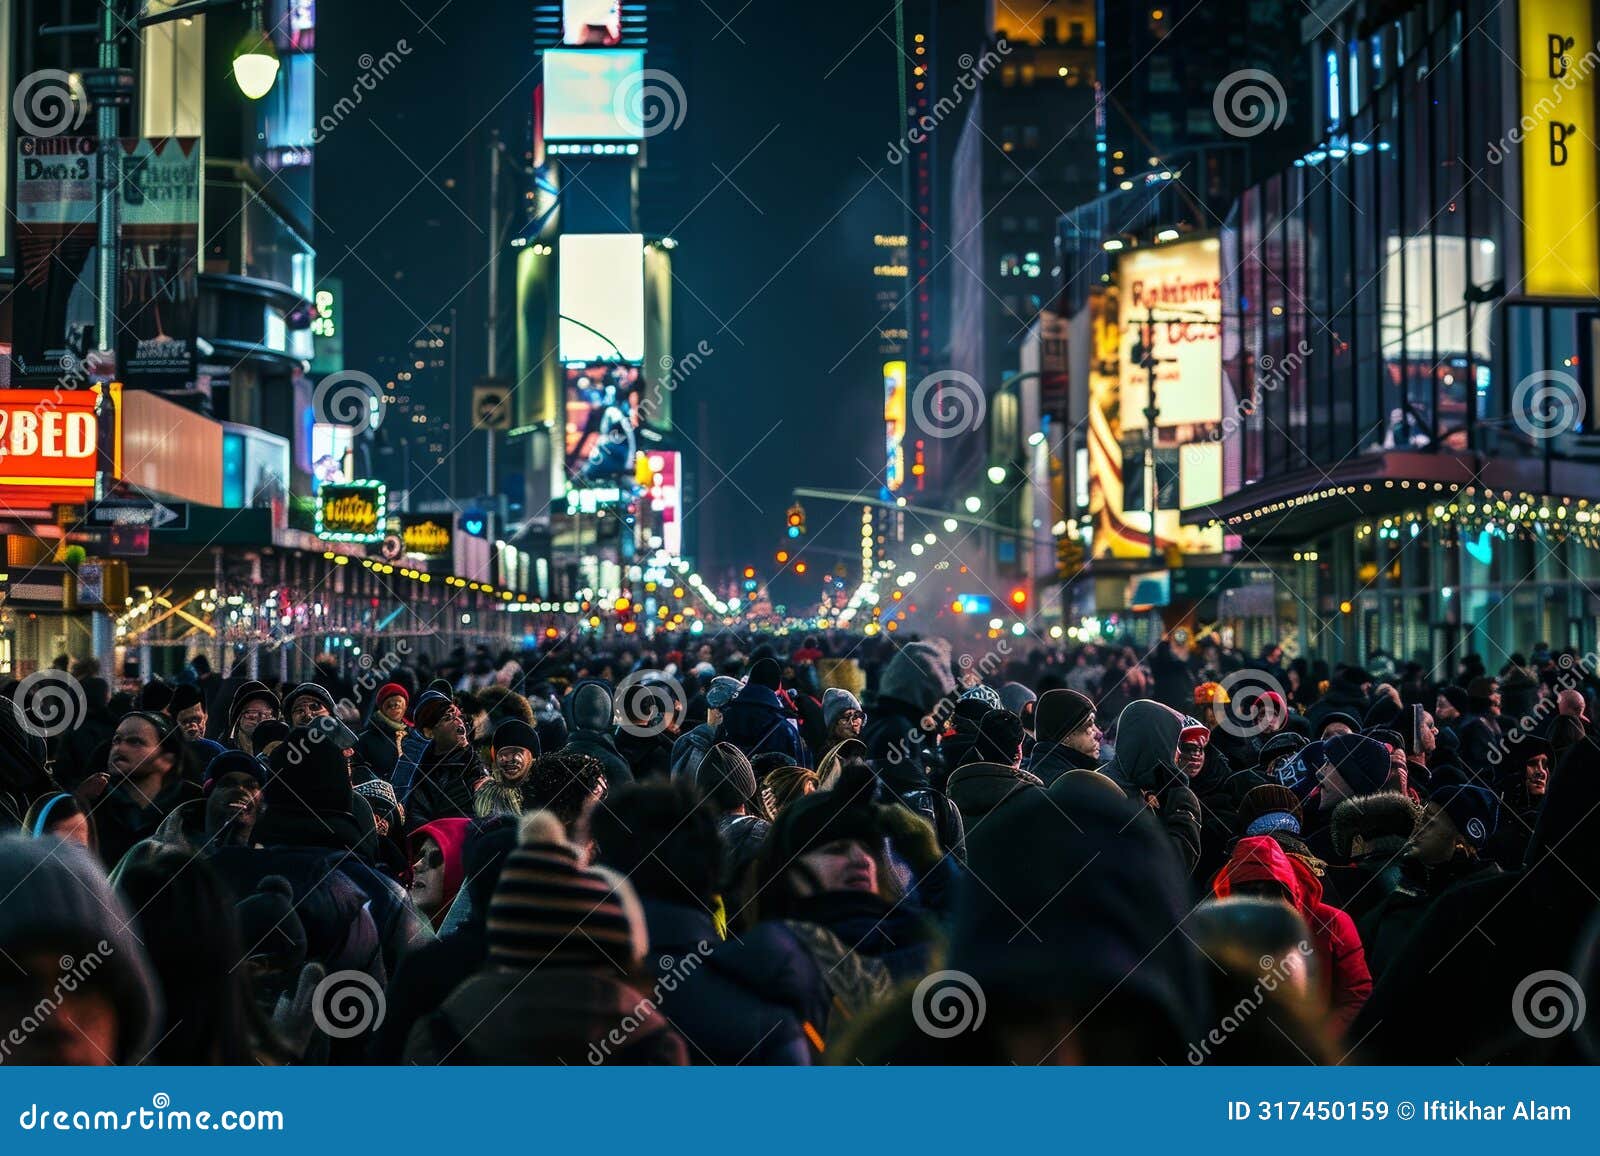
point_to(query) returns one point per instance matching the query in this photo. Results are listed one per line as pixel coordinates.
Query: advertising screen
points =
(49, 446)
(602, 422)
(586, 94)
(1182, 286)
(894, 424)
(602, 297)
(591, 22)
(426, 536)
(666, 498)
(352, 512)
(330, 453)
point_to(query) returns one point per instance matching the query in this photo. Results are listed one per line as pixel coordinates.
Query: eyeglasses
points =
(853, 715)
(1191, 748)
(254, 715)
(431, 860)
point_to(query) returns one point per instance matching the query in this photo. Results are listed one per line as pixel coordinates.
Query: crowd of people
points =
(831, 849)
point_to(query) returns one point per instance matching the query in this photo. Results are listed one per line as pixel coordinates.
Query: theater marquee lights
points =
(352, 511)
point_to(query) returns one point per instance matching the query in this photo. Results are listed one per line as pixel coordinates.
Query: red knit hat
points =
(389, 690)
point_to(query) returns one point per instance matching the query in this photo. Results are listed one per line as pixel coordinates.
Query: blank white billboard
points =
(602, 297)
(587, 94)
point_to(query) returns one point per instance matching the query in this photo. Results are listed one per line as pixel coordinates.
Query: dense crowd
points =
(766, 849)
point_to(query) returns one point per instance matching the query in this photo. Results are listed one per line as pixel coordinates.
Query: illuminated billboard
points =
(330, 453)
(665, 491)
(426, 536)
(50, 445)
(587, 94)
(602, 297)
(1180, 285)
(894, 424)
(352, 512)
(602, 422)
(596, 23)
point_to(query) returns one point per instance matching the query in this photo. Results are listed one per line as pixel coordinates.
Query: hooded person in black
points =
(1071, 939)
(449, 770)
(1146, 768)
(590, 715)
(23, 777)
(1480, 943)
(916, 685)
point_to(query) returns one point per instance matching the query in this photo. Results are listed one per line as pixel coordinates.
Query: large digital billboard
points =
(1181, 286)
(587, 94)
(665, 490)
(602, 297)
(602, 422)
(353, 512)
(894, 424)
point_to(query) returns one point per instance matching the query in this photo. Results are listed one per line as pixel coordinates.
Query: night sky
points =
(774, 263)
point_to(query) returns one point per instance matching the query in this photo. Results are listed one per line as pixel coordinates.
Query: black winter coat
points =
(603, 747)
(736, 1002)
(443, 788)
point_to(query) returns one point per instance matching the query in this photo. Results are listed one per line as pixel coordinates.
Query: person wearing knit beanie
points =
(1356, 765)
(1384, 712)
(155, 696)
(268, 735)
(306, 702)
(1000, 736)
(431, 707)
(728, 779)
(1473, 814)
(1450, 705)
(514, 748)
(1020, 701)
(1337, 722)
(386, 809)
(310, 774)
(842, 715)
(1278, 748)
(270, 928)
(720, 693)
(563, 940)
(1062, 713)
(437, 870)
(1269, 808)
(252, 704)
(987, 695)
(766, 672)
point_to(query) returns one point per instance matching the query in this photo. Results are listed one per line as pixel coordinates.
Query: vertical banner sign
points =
(1561, 243)
(158, 296)
(53, 303)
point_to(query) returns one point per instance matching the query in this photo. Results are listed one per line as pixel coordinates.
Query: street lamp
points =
(255, 61)
(974, 504)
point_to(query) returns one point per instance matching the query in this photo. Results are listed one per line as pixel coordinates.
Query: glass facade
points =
(1371, 331)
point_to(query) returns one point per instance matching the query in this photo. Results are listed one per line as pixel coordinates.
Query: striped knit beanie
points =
(550, 910)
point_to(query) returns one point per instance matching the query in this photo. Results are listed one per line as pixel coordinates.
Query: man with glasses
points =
(306, 702)
(252, 705)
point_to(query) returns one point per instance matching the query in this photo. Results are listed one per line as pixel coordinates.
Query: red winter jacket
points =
(1337, 943)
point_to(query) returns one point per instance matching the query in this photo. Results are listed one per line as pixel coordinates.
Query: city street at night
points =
(989, 534)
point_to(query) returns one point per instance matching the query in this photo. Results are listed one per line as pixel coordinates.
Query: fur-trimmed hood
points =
(1379, 824)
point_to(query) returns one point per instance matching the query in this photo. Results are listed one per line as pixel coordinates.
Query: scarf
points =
(396, 727)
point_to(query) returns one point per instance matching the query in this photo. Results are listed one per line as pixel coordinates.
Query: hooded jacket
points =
(1340, 958)
(588, 711)
(980, 788)
(1147, 740)
(1479, 943)
(757, 722)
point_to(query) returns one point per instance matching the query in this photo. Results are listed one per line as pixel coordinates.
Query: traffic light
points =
(1019, 598)
(799, 567)
(749, 571)
(797, 520)
(783, 556)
